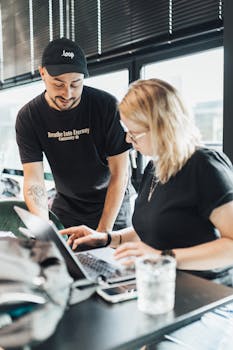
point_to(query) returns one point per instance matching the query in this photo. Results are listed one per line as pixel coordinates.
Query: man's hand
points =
(79, 235)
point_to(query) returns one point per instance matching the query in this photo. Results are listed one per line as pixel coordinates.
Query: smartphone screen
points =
(127, 288)
(119, 292)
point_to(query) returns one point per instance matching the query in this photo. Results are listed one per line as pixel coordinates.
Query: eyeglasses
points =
(133, 138)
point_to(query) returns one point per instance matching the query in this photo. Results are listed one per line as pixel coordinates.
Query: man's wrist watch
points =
(168, 252)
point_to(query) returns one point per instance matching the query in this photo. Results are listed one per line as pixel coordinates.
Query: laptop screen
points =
(97, 266)
(47, 231)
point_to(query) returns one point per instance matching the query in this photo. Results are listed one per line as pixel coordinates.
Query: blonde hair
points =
(155, 105)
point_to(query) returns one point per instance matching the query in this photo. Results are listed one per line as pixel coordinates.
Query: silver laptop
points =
(92, 266)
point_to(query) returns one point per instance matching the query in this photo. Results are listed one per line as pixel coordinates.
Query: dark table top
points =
(96, 325)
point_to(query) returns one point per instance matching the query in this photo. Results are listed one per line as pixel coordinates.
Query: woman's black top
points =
(177, 214)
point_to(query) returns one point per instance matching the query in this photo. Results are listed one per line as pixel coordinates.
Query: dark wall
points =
(228, 80)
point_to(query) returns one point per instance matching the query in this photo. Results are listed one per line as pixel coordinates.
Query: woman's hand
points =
(130, 250)
(80, 235)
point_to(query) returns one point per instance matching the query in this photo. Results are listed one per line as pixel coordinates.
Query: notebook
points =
(91, 266)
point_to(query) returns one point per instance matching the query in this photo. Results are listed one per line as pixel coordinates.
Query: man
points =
(78, 129)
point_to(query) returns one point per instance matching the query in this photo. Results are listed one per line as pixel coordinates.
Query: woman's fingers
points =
(128, 262)
(128, 253)
(125, 246)
(127, 250)
(133, 249)
(83, 235)
(79, 241)
(78, 230)
(68, 231)
(71, 239)
(95, 239)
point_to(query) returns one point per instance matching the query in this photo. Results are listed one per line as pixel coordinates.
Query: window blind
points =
(86, 25)
(196, 16)
(40, 29)
(103, 28)
(15, 37)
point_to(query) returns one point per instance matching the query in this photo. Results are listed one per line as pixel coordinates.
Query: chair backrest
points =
(9, 220)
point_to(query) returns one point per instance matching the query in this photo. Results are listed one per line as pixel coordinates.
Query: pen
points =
(223, 313)
(178, 341)
(228, 308)
(215, 321)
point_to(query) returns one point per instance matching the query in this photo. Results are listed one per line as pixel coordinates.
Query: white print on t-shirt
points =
(68, 135)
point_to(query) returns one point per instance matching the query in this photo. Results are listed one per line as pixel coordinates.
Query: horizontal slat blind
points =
(149, 19)
(195, 15)
(101, 27)
(22, 47)
(40, 29)
(15, 29)
(8, 38)
(57, 19)
(126, 22)
(86, 25)
(116, 24)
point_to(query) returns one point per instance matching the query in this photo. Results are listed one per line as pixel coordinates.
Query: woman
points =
(185, 201)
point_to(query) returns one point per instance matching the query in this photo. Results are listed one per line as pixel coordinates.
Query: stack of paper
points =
(214, 331)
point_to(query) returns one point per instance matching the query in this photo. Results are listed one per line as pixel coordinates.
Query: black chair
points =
(9, 220)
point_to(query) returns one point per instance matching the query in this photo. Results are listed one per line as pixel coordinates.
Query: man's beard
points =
(75, 102)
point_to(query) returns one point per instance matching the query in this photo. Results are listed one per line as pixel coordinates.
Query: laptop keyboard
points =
(98, 267)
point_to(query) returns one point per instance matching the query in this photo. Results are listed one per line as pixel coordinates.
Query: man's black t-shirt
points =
(77, 144)
(177, 215)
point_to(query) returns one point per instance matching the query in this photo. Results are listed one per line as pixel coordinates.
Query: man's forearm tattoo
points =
(38, 195)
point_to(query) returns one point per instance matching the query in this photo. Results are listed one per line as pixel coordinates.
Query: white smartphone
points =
(119, 292)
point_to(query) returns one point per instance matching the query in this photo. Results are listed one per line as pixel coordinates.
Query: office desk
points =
(97, 325)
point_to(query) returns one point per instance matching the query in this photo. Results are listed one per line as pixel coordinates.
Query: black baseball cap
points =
(64, 56)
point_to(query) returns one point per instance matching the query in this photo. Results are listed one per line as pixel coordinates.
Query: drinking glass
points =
(156, 279)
